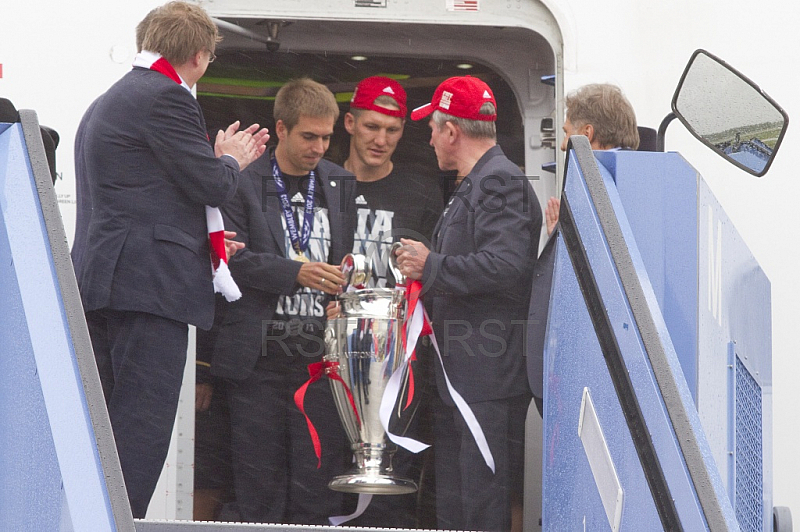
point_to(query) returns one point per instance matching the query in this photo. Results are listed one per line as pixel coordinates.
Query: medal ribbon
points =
(316, 371)
(299, 239)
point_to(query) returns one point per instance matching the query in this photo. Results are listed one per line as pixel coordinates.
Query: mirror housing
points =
(729, 113)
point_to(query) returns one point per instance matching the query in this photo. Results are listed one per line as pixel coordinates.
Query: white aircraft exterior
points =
(56, 57)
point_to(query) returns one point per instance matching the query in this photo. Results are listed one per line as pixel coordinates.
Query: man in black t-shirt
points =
(391, 203)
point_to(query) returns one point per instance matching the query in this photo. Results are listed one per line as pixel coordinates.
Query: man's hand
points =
(551, 214)
(411, 257)
(202, 396)
(245, 146)
(232, 246)
(333, 310)
(321, 276)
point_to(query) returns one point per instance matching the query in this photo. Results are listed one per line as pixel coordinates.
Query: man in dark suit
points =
(602, 113)
(476, 278)
(145, 268)
(295, 213)
(83, 195)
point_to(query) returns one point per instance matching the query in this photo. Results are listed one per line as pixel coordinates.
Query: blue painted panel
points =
(573, 360)
(30, 480)
(735, 345)
(659, 194)
(45, 346)
(574, 354)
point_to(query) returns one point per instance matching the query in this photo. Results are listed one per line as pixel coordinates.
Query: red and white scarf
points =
(223, 280)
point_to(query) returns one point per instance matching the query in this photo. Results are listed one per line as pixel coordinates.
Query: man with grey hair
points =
(601, 113)
(476, 286)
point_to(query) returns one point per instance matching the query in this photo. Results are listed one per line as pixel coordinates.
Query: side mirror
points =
(729, 113)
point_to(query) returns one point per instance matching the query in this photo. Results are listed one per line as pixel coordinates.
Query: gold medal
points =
(301, 257)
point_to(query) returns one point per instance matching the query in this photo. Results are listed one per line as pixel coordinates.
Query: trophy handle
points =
(399, 278)
(357, 270)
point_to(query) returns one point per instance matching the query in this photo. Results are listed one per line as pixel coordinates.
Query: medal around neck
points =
(365, 345)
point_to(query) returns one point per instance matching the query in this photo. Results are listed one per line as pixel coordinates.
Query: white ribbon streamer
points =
(392, 390)
(466, 412)
(363, 501)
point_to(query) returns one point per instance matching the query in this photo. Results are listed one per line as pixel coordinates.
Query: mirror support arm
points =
(662, 131)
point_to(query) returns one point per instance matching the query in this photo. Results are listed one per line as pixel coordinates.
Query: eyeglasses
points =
(211, 56)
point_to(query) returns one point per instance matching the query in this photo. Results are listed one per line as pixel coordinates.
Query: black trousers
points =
(141, 359)
(275, 469)
(468, 495)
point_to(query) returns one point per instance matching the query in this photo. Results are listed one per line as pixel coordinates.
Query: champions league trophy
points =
(366, 342)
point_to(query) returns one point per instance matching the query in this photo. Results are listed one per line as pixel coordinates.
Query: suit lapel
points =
(334, 202)
(271, 210)
(455, 203)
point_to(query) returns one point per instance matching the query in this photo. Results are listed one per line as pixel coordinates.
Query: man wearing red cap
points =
(476, 278)
(392, 202)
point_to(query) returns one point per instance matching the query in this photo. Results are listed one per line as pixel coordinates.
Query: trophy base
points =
(376, 484)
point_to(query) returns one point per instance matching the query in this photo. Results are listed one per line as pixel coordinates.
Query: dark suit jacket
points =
(151, 170)
(261, 269)
(83, 193)
(537, 314)
(477, 278)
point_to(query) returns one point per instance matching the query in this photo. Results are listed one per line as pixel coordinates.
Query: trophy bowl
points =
(365, 341)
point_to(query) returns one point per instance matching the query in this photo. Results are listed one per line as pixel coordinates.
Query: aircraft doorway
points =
(241, 85)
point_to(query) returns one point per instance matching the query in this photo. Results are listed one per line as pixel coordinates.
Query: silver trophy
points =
(365, 341)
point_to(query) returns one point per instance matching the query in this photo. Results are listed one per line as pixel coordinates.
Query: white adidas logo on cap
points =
(487, 95)
(388, 90)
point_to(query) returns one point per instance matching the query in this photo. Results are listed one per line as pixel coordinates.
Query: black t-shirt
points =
(401, 205)
(299, 318)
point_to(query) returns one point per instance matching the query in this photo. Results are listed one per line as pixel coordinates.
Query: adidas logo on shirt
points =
(360, 200)
(298, 198)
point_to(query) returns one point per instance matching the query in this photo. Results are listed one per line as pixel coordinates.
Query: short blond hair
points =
(608, 111)
(141, 28)
(178, 31)
(304, 97)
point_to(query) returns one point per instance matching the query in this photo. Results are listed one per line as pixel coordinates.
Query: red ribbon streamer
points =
(413, 297)
(316, 370)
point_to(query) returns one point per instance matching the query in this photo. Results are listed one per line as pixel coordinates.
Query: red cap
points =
(370, 88)
(461, 97)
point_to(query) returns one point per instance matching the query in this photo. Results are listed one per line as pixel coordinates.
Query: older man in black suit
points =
(476, 279)
(145, 267)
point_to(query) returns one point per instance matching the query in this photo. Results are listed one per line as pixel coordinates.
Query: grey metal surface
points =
(195, 526)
